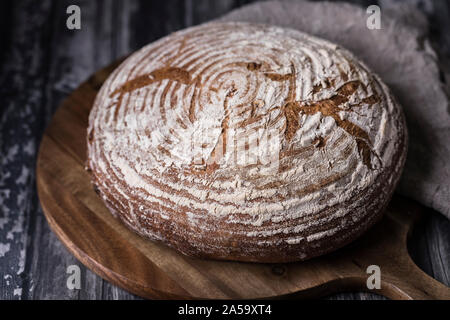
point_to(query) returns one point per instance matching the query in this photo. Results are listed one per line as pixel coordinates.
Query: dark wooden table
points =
(41, 61)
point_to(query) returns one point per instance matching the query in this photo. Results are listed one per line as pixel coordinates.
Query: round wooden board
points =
(151, 270)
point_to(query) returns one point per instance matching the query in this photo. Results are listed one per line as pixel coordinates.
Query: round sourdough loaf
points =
(246, 142)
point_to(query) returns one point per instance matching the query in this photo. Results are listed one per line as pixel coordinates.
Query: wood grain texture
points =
(81, 221)
(41, 62)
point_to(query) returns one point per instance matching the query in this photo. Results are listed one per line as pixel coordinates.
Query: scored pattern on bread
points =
(246, 142)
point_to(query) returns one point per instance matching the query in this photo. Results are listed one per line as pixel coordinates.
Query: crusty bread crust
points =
(246, 142)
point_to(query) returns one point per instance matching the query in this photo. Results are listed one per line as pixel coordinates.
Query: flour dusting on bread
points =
(246, 142)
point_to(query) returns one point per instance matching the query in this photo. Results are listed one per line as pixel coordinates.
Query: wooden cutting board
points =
(79, 218)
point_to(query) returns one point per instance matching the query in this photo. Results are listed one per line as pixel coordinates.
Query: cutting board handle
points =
(401, 278)
(405, 280)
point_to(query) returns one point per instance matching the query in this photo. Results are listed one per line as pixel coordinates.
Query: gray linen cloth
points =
(401, 55)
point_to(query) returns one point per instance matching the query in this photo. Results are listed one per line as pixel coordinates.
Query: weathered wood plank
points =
(22, 93)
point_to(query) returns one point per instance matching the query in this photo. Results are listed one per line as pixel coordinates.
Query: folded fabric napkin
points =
(401, 55)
